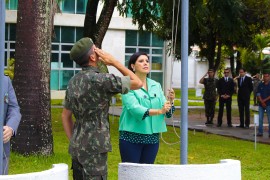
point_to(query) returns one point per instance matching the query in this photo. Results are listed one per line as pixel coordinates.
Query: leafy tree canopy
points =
(212, 23)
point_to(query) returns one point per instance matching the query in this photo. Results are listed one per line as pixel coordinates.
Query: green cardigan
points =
(136, 103)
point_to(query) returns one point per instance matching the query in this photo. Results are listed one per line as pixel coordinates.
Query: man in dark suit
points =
(225, 91)
(245, 87)
(12, 118)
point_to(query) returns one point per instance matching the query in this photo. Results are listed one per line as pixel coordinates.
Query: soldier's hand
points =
(105, 57)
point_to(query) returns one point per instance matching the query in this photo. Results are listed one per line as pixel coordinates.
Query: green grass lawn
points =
(25, 164)
(202, 149)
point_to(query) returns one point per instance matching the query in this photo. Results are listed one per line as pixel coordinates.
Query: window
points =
(150, 44)
(67, 35)
(11, 4)
(67, 6)
(81, 6)
(62, 67)
(10, 37)
(74, 6)
(144, 39)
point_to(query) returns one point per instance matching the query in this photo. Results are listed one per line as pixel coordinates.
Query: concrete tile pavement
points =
(196, 122)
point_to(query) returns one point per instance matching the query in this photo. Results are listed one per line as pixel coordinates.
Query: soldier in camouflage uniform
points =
(87, 98)
(210, 95)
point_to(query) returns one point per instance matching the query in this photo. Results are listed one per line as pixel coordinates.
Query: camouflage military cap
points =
(80, 48)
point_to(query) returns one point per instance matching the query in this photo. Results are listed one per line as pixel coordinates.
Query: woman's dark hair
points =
(133, 59)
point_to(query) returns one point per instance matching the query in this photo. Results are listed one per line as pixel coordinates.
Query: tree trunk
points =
(97, 30)
(90, 19)
(238, 62)
(217, 61)
(232, 65)
(211, 51)
(32, 77)
(104, 21)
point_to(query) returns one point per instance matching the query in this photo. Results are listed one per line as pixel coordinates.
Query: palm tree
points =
(250, 60)
(261, 41)
(32, 76)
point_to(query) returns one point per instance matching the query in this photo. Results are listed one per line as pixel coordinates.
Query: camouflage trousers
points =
(209, 108)
(93, 167)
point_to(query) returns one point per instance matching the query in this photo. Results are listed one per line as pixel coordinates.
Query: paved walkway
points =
(197, 123)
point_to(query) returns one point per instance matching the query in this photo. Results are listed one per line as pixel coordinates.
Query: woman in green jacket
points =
(142, 118)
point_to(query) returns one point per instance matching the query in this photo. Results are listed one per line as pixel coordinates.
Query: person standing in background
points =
(12, 118)
(210, 95)
(225, 91)
(256, 81)
(263, 94)
(245, 88)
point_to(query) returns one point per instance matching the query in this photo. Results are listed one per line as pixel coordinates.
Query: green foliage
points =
(221, 68)
(145, 13)
(261, 41)
(9, 71)
(266, 65)
(257, 18)
(25, 164)
(250, 60)
(226, 53)
(210, 21)
(200, 151)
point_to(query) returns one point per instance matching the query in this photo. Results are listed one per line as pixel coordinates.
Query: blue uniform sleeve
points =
(13, 116)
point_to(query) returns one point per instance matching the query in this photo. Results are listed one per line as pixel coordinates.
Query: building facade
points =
(121, 40)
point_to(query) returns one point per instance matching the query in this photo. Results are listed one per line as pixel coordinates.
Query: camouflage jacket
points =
(210, 85)
(88, 96)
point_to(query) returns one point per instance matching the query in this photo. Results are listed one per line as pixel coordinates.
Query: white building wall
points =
(114, 43)
(196, 70)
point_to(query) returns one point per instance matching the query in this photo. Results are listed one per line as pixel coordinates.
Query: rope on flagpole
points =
(174, 39)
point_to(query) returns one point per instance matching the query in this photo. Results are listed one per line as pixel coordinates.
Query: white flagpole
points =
(184, 80)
